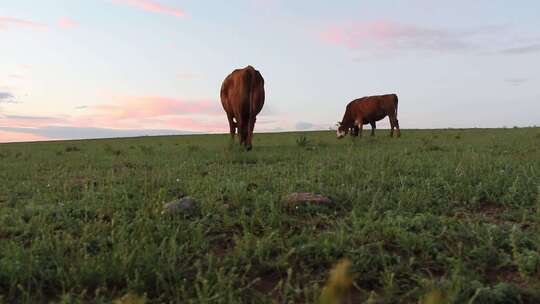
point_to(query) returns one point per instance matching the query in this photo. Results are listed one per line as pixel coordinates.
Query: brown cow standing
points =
(368, 110)
(242, 97)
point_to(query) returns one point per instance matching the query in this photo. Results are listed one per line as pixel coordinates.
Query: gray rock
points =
(181, 206)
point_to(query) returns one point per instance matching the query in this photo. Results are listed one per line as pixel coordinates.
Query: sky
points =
(72, 69)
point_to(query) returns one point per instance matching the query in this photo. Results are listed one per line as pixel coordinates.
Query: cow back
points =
(242, 93)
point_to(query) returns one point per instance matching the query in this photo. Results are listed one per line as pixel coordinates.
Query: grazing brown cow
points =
(368, 110)
(242, 97)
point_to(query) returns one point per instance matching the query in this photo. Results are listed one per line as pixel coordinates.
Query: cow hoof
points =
(248, 148)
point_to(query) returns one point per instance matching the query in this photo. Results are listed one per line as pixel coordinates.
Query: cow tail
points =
(252, 94)
(396, 103)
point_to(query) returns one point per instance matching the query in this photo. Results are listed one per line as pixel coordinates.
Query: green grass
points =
(456, 211)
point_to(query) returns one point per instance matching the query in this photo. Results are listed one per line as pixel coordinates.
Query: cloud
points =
(67, 23)
(84, 127)
(393, 36)
(276, 129)
(25, 117)
(133, 116)
(153, 6)
(7, 22)
(201, 124)
(127, 108)
(69, 132)
(516, 81)
(81, 107)
(129, 113)
(303, 126)
(529, 49)
(28, 121)
(31, 128)
(6, 137)
(6, 97)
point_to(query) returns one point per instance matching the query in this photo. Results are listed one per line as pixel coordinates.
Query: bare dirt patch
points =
(505, 274)
(266, 284)
(487, 211)
(489, 207)
(495, 213)
(222, 247)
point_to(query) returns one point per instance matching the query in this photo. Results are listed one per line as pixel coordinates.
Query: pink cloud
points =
(6, 137)
(26, 121)
(201, 124)
(150, 112)
(131, 113)
(389, 36)
(7, 22)
(153, 6)
(125, 116)
(67, 23)
(155, 106)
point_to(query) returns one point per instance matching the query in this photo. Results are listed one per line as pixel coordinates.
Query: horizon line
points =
(194, 133)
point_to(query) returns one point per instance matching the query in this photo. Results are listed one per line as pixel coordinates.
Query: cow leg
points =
(251, 126)
(232, 125)
(241, 127)
(372, 128)
(396, 124)
(393, 124)
(245, 132)
(354, 131)
(360, 125)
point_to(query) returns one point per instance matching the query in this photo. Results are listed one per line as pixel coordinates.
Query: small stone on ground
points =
(179, 206)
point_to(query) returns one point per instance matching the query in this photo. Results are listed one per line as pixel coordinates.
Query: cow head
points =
(341, 130)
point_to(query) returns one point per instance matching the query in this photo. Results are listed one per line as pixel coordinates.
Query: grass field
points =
(453, 214)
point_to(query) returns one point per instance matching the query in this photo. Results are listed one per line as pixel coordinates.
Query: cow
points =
(242, 98)
(368, 110)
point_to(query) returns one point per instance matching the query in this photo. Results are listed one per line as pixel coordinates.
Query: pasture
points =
(436, 214)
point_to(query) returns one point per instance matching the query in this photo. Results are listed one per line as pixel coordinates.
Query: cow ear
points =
(338, 124)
